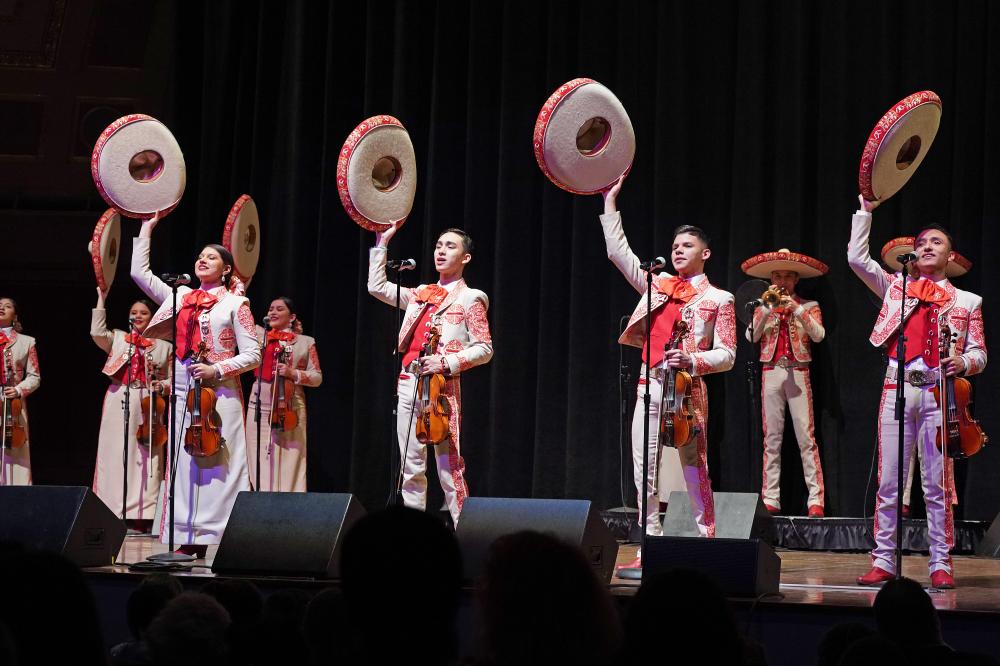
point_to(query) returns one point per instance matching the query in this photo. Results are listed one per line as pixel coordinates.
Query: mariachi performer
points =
(217, 323)
(709, 314)
(457, 313)
(142, 364)
(784, 325)
(931, 300)
(291, 357)
(19, 377)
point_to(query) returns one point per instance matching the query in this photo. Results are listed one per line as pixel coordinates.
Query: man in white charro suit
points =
(458, 312)
(930, 301)
(710, 346)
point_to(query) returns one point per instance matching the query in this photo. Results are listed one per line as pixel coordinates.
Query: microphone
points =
(755, 303)
(906, 258)
(403, 265)
(653, 264)
(266, 320)
(176, 278)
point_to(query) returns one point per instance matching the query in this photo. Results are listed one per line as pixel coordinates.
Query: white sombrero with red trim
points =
(958, 267)
(898, 144)
(377, 173)
(583, 137)
(762, 265)
(138, 167)
(242, 237)
(105, 247)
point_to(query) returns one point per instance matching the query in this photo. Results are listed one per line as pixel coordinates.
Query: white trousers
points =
(692, 458)
(447, 455)
(920, 421)
(780, 387)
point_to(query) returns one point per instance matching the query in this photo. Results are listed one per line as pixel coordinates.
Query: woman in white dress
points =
(141, 363)
(20, 377)
(220, 323)
(291, 356)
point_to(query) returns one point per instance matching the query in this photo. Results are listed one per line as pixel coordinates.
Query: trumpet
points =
(773, 296)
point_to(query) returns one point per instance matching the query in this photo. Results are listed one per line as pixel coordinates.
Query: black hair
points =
(467, 244)
(227, 259)
(697, 232)
(148, 303)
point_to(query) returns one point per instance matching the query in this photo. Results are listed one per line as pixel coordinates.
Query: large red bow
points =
(676, 288)
(188, 332)
(433, 294)
(927, 291)
(3, 339)
(280, 336)
(138, 340)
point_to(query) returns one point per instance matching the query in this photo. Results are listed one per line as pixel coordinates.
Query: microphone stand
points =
(126, 409)
(396, 494)
(256, 410)
(899, 413)
(170, 555)
(751, 375)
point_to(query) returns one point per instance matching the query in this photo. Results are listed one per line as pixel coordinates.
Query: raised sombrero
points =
(241, 236)
(104, 247)
(377, 173)
(762, 265)
(958, 267)
(138, 167)
(583, 137)
(898, 144)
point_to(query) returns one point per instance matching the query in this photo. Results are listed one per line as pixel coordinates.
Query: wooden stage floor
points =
(807, 577)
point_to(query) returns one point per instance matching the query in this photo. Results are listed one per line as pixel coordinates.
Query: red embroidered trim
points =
(479, 326)
(314, 358)
(727, 325)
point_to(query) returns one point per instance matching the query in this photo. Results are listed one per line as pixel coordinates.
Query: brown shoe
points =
(634, 564)
(876, 576)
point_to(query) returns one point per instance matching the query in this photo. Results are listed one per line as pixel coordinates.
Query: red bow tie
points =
(676, 288)
(188, 332)
(3, 339)
(927, 291)
(280, 336)
(137, 340)
(433, 294)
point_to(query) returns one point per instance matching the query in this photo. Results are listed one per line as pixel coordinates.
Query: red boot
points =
(876, 576)
(942, 580)
(773, 510)
(816, 511)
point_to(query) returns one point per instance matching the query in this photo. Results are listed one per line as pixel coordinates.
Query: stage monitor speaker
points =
(70, 520)
(484, 519)
(737, 516)
(286, 534)
(990, 545)
(741, 567)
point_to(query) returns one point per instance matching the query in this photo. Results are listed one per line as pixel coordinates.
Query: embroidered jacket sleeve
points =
(151, 285)
(480, 349)
(103, 338)
(311, 375)
(761, 322)
(722, 355)
(620, 254)
(974, 354)
(859, 257)
(248, 357)
(812, 320)
(32, 375)
(378, 285)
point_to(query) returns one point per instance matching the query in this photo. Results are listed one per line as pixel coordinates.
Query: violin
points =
(14, 434)
(203, 437)
(434, 413)
(283, 417)
(959, 434)
(153, 409)
(677, 422)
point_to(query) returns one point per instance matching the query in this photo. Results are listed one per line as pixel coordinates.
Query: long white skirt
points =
(283, 454)
(206, 488)
(145, 464)
(15, 464)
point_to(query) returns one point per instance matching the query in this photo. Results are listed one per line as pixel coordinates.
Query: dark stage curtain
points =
(750, 120)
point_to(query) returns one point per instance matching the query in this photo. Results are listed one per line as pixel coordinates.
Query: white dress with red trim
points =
(19, 356)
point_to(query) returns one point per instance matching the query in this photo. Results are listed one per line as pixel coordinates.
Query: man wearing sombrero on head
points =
(785, 331)
(930, 301)
(710, 347)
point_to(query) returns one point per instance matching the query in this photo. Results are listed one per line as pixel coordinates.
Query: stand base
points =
(158, 566)
(171, 556)
(629, 573)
